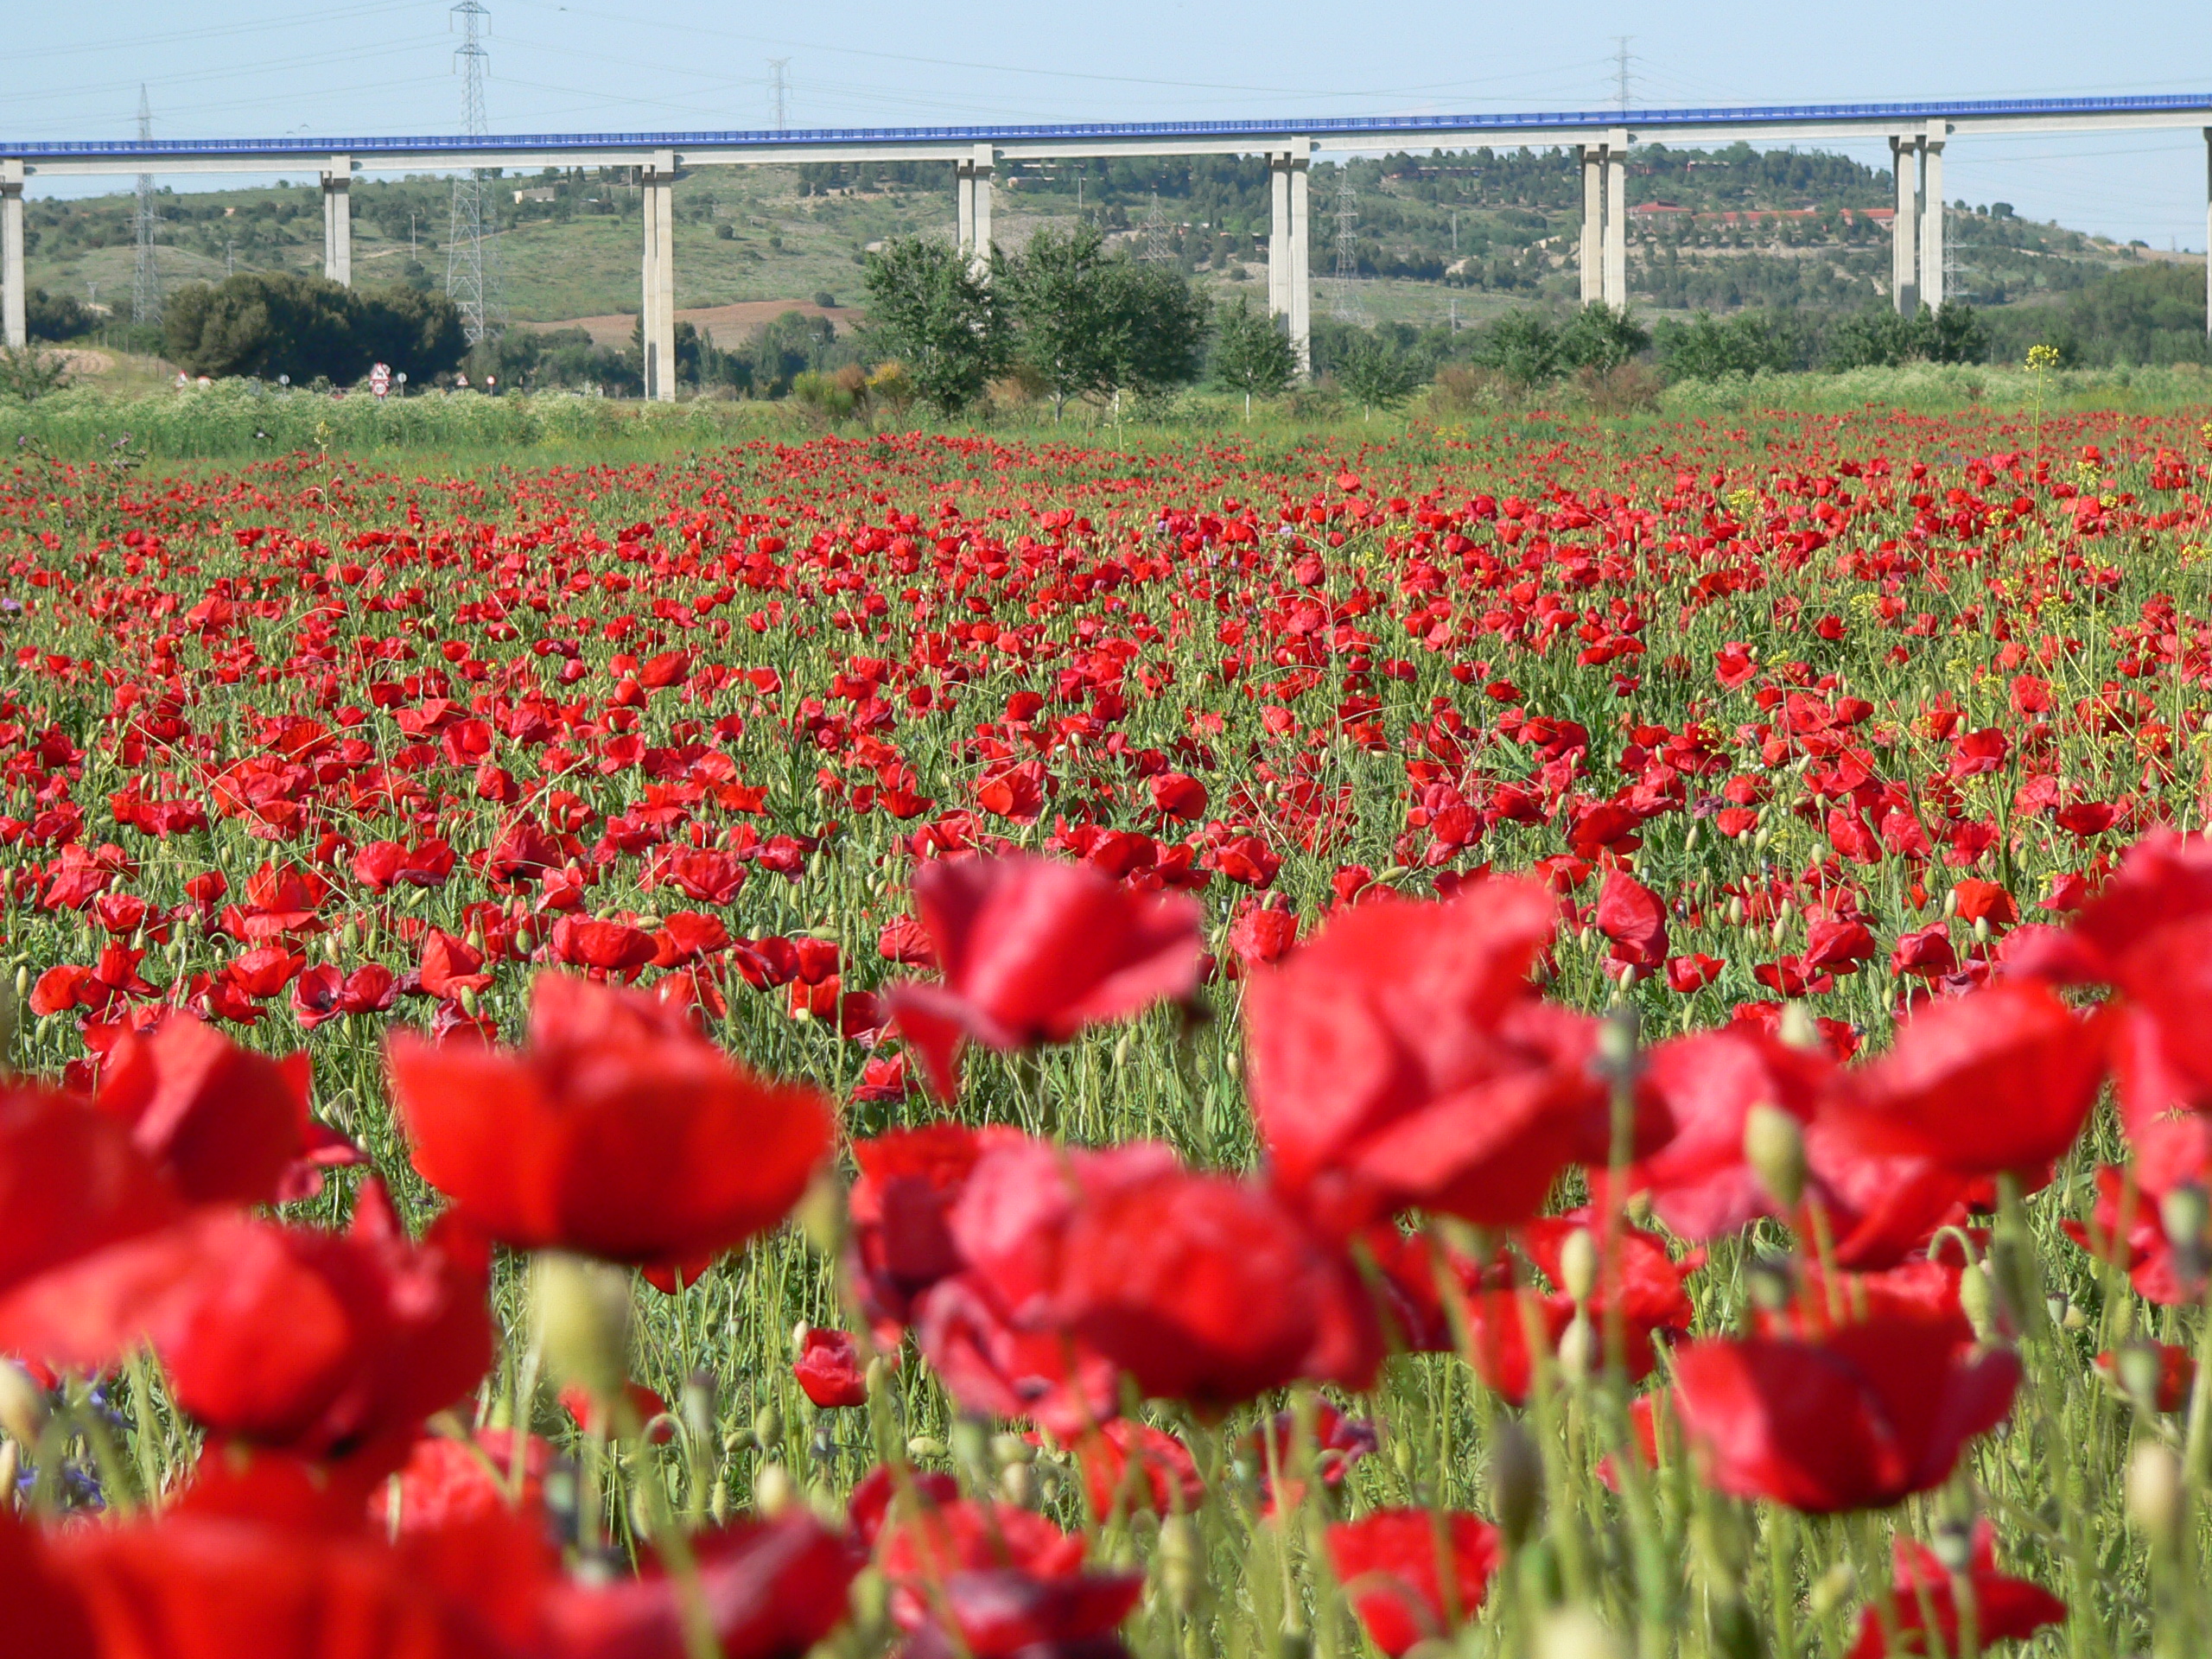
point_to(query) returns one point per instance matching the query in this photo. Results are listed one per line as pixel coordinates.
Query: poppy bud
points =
(1516, 1483)
(1574, 1633)
(2184, 1213)
(870, 1600)
(768, 1427)
(969, 1448)
(773, 1492)
(2139, 1368)
(22, 1406)
(698, 1403)
(582, 1313)
(1012, 1448)
(22, 982)
(1799, 1028)
(1953, 1545)
(1978, 1300)
(2157, 1501)
(1774, 1146)
(1577, 1348)
(1831, 1588)
(1182, 1561)
(1578, 1265)
(1981, 930)
(1950, 903)
(1771, 1282)
(1018, 1484)
(10, 1463)
(1736, 914)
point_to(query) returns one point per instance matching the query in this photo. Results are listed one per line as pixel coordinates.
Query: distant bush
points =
(270, 323)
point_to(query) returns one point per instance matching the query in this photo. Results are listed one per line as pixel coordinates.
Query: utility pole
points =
(471, 271)
(779, 88)
(145, 275)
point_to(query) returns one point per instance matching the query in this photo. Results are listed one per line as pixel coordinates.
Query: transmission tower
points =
(472, 260)
(779, 91)
(1622, 78)
(146, 276)
(1348, 307)
(1156, 250)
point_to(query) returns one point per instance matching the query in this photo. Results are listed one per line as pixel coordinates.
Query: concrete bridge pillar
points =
(1931, 221)
(658, 318)
(2207, 232)
(14, 333)
(1904, 229)
(1589, 252)
(1616, 279)
(973, 184)
(1299, 253)
(338, 221)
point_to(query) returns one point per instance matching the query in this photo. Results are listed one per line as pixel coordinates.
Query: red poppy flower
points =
(2005, 1608)
(900, 1241)
(1400, 1057)
(604, 947)
(618, 1132)
(2000, 1080)
(1706, 1083)
(828, 1369)
(1209, 1291)
(446, 1482)
(1032, 951)
(1414, 1575)
(450, 966)
(222, 1121)
(1134, 1468)
(73, 1180)
(1871, 1413)
(1631, 915)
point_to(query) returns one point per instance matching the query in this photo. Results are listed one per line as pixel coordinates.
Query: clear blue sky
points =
(258, 67)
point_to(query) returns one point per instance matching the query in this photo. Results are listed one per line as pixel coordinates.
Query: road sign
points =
(380, 379)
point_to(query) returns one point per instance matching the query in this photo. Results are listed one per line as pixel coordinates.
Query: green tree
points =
(1375, 371)
(1162, 325)
(1252, 354)
(1602, 337)
(268, 323)
(1707, 347)
(1523, 346)
(1072, 308)
(929, 309)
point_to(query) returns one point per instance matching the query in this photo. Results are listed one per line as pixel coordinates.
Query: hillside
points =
(1426, 238)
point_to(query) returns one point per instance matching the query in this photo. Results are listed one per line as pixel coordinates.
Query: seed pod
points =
(582, 1310)
(1774, 1146)
(773, 1492)
(23, 1405)
(2157, 1501)
(1578, 1265)
(1516, 1483)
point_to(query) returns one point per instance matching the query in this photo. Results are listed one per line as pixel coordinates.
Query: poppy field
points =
(1551, 1039)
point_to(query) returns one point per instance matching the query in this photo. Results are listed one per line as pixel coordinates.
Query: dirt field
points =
(726, 325)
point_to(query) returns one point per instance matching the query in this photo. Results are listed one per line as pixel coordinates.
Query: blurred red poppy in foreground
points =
(618, 1132)
(2005, 1608)
(1413, 1574)
(223, 1121)
(1871, 1415)
(1400, 1058)
(1033, 950)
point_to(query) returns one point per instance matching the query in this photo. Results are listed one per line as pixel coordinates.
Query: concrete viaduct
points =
(1916, 132)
